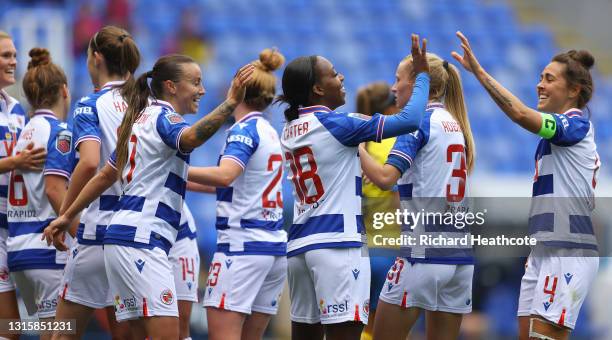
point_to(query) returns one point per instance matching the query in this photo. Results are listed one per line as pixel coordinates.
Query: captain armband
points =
(549, 126)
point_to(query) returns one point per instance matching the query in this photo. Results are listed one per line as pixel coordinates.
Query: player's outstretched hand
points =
(468, 60)
(419, 55)
(30, 159)
(55, 232)
(238, 88)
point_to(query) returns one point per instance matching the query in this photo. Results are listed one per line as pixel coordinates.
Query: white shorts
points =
(245, 283)
(141, 282)
(554, 287)
(185, 260)
(330, 286)
(6, 283)
(431, 286)
(84, 281)
(38, 288)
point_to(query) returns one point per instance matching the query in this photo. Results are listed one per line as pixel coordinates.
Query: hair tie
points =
(122, 37)
(445, 64)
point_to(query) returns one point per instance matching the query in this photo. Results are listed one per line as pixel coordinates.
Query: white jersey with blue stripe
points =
(250, 210)
(12, 120)
(29, 210)
(97, 118)
(322, 162)
(432, 162)
(187, 227)
(564, 184)
(153, 182)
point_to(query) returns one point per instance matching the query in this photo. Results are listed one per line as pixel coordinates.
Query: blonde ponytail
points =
(455, 104)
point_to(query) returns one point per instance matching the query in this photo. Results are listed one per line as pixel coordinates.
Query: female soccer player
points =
(112, 58)
(34, 198)
(563, 265)
(249, 267)
(377, 98)
(329, 276)
(431, 167)
(185, 259)
(151, 162)
(12, 119)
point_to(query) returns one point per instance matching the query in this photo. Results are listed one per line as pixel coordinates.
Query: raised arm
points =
(383, 176)
(204, 128)
(513, 107)
(409, 118)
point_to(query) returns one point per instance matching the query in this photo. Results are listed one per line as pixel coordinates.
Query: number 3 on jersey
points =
(459, 172)
(300, 176)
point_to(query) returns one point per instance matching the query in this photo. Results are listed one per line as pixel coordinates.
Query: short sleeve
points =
(86, 123)
(112, 160)
(60, 157)
(242, 141)
(350, 129)
(170, 126)
(571, 129)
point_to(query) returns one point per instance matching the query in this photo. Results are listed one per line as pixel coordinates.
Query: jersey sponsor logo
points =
(568, 277)
(209, 290)
(47, 305)
(83, 110)
(546, 305)
(126, 304)
(139, 265)
(75, 252)
(564, 121)
(228, 263)
(174, 118)
(334, 308)
(189, 285)
(468, 302)
(241, 139)
(355, 273)
(167, 297)
(389, 286)
(63, 142)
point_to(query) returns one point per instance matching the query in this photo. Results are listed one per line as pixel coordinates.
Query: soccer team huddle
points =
(94, 214)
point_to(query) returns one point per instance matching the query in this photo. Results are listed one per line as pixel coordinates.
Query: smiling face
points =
(555, 95)
(329, 88)
(8, 62)
(404, 83)
(189, 89)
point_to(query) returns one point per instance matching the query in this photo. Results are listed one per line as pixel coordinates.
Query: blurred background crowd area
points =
(364, 39)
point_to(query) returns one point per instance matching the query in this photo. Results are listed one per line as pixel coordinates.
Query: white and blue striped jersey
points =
(322, 162)
(187, 227)
(432, 162)
(153, 182)
(12, 120)
(250, 210)
(564, 184)
(97, 118)
(29, 210)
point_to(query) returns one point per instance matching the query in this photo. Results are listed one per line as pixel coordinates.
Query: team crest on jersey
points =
(174, 118)
(167, 297)
(63, 142)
